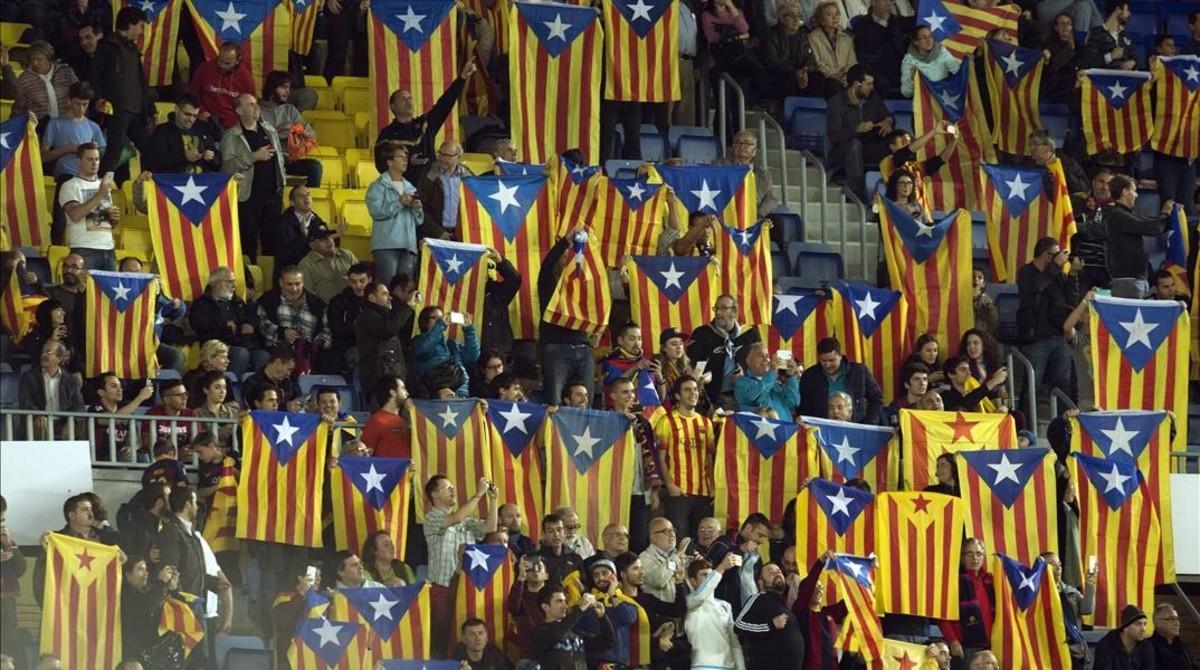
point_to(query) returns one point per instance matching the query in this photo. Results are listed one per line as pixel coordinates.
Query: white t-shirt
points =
(93, 231)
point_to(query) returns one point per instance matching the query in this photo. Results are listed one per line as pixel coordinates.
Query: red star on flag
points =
(85, 560)
(919, 505)
(906, 663)
(962, 428)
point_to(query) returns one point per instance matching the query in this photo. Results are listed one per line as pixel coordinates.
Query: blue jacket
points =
(621, 616)
(393, 226)
(752, 393)
(432, 348)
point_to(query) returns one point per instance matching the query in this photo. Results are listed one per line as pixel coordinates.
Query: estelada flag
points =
(283, 475)
(925, 435)
(263, 28)
(1117, 525)
(160, 37)
(874, 325)
(81, 603)
(323, 642)
(1020, 211)
(413, 46)
(1140, 357)
(1116, 110)
(23, 205)
(899, 655)
(911, 578)
(1177, 106)
(856, 589)
(745, 269)
(1028, 632)
(397, 619)
(220, 526)
(848, 451)
(449, 437)
(955, 100)
(589, 462)
(932, 264)
(555, 70)
(960, 28)
(641, 50)
(833, 517)
(18, 311)
(799, 319)
(516, 168)
(670, 291)
(575, 186)
(194, 224)
(453, 277)
(760, 465)
(177, 616)
(516, 428)
(581, 300)
(1005, 494)
(1178, 246)
(304, 23)
(370, 494)
(481, 590)
(514, 216)
(119, 309)
(1143, 438)
(627, 217)
(1014, 81)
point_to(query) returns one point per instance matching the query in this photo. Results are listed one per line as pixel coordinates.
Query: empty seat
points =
(675, 133)
(794, 249)
(337, 133)
(365, 173)
(780, 266)
(1007, 301)
(9, 382)
(808, 129)
(786, 227)
(792, 284)
(621, 168)
(894, 106)
(819, 266)
(356, 99)
(654, 147)
(333, 170)
(697, 149)
(355, 215)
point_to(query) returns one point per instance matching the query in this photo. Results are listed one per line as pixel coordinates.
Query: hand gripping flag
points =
(481, 590)
(875, 329)
(119, 313)
(833, 517)
(516, 464)
(263, 28)
(912, 579)
(1014, 81)
(1116, 110)
(554, 66)
(852, 576)
(1117, 525)
(1140, 357)
(1143, 438)
(370, 494)
(955, 100)
(397, 619)
(304, 15)
(23, 201)
(581, 301)
(81, 603)
(220, 526)
(177, 616)
(450, 437)
(899, 655)
(848, 451)
(194, 223)
(628, 217)
(641, 46)
(1177, 106)
(933, 265)
(1006, 494)
(18, 311)
(589, 460)
(925, 435)
(670, 291)
(1028, 632)
(514, 216)
(1020, 211)
(575, 192)
(323, 642)
(453, 276)
(283, 474)
(412, 47)
(160, 37)
(761, 464)
(960, 28)
(1178, 245)
(799, 320)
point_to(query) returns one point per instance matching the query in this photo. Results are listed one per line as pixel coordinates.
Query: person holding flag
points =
(1126, 253)
(769, 632)
(447, 527)
(142, 601)
(977, 597)
(819, 622)
(1074, 605)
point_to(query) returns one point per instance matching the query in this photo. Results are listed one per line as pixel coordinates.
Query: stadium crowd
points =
(715, 597)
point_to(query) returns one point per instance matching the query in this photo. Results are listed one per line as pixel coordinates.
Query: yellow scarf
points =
(639, 637)
(985, 405)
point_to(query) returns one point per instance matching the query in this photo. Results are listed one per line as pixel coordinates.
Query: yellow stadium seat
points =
(325, 115)
(362, 127)
(49, 187)
(343, 195)
(334, 171)
(6, 106)
(135, 239)
(340, 133)
(356, 217)
(479, 163)
(162, 109)
(191, 354)
(10, 33)
(358, 242)
(324, 151)
(342, 82)
(365, 173)
(55, 255)
(315, 81)
(327, 98)
(256, 275)
(356, 99)
(324, 209)
(267, 263)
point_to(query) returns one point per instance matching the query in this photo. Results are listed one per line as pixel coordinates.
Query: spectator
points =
(113, 443)
(1074, 605)
(927, 57)
(80, 517)
(946, 474)
(857, 125)
(217, 84)
(832, 48)
(419, 131)
(770, 634)
(738, 586)
(1090, 242)
(351, 573)
(48, 387)
(498, 294)
(1193, 46)
(64, 133)
(277, 374)
(74, 282)
(977, 598)
(251, 148)
(291, 315)
(709, 622)
(835, 373)
(575, 394)
(927, 352)
(560, 560)
(669, 647)
(509, 516)
(1165, 288)
(880, 41)
(326, 266)
(1126, 253)
(474, 650)
(292, 606)
(1126, 646)
(987, 317)
(75, 16)
(730, 52)
(438, 191)
(662, 561)
(745, 146)
(558, 641)
(386, 433)
(626, 360)
(1047, 296)
(487, 369)
(214, 357)
(523, 606)
(344, 309)
(380, 331)
(902, 155)
(380, 562)
(839, 406)
(706, 535)
(174, 406)
(90, 214)
(902, 190)
(396, 214)
(914, 383)
(686, 444)
(697, 240)
(1170, 652)
(216, 402)
(222, 316)
(43, 87)
(566, 352)
(715, 347)
(1108, 45)
(141, 604)
(1060, 72)
(768, 384)
(142, 517)
(280, 113)
(291, 245)
(50, 324)
(673, 363)
(263, 397)
(183, 143)
(982, 353)
(622, 614)
(82, 53)
(120, 81)
(984, 660)
(646, 486)
(1043, 154)
(574, 540)
(440, 362)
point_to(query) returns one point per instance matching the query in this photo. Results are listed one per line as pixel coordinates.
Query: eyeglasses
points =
(573, 526)
(448, 155)
(72, 267)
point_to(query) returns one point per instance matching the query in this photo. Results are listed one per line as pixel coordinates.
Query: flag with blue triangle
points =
(761, 464)
(370, 494)
(194, 220)
(1021, 207)
(516, 429)
(1117, 110)
(670, 292)
(26, 217)
(263, 28)
(746, 269)
(1014, 81)
(799, 319)
(486, 574)
(874, 327)
(516, 169)
(1028, 632)
(954, 100)
(119, 313)
(853, 586)
(453, 277)
(323, 642)
(629, 217)
(641, 46)
(1005, 493)
(283, 475)
(589, 461)
(1176, 105)
(448, 438)
(853, 451)
(383, 608)
(959, 27)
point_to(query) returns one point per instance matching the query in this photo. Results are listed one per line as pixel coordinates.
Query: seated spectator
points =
(1043, 154)
(222, 316)
(857, 124)
(914, 383)
(263, 397)
(380, 562)
(396, 214)
(880, 41)
(1127, 259)
(344, 308)
(728, 37)
(437, 192)
(216, 402)
(291, 127)
(902, 190)
(326, 264)
(291, 315)
(166, 468)
(475, 651)
(1107, 45)
(65, 132)
(987, 317)
(1170, 651)
(251, 148)
(928, 57)
(485, 372)
(1165, 288)
(90, 214)
(380, 332)
(183, 143)
(767, 384)
(142, 601)
(1126, 646)
(351, 573)
(558, 641)
(1059, 73)
(42, 88)
(832, 48)
(982, 352)
(966, 393)
(836, 373)
(420, 130)
(291, 243)
(276, 374)
(218, 82)
(293, 605)
(82, 52)
(745, 147)
(926, 352)
(173, 405)
(113, 442)
(49, 387)
(441, 363)
(50, 325)
(214, 357)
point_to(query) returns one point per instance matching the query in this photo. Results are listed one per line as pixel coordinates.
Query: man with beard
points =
(714, 348)
(769, 633)
(518, 543)
(669, 646)
(626, 360)
(625, 615)
(74, 278)
(221, 315)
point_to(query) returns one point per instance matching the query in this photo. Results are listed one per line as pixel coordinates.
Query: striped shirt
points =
(444, 541)
(688, 446)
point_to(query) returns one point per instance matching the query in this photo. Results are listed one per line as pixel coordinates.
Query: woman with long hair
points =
(216, 403)
(927, 352)
(214, 357)
(902, 190)
(380, 562)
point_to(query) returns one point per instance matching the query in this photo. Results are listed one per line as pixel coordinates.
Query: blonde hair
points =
(212, 349)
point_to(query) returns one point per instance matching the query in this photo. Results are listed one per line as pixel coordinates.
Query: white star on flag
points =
(1115, 480)
(787, 303)
(479, 559)
(855, 568)
(745, 235)
(866, 307)
(412, 20)
(374, 480)
(672, 276)
(1027, 583)
(448, 417)
(949, 101)
(121, 292)
(845, 452)
(1120, 438)
(514, 419)
(585, 443)
(641, 10)
(557, 28)
(1016, 187)
(1139, 330)
(763, 428)
(841, 502)
(636, 191)
(453, 265)
(191, 191)
(147, 6)
(4, 140)
(383, 607)
(285, 431)
(328, 633)
(578, 170)
(924, 230)
(231, 18)
(707, 196)
(1192, 73)
(1012, 64)
(506, 196)
(1005, 470)
(934, 21)
(1117, 90)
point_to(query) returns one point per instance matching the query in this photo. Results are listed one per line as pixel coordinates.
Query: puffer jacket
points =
(709, 628)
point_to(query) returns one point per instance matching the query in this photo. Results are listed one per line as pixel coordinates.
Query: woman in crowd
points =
(987, 317)
(51, 324)
(483, 378)
(927, 57)
(927, 353)
(214, 357)
(380, 562)
(832, 48)
(982, 352)
(972, 632)
(1058, 76)
(215, 403)
(902, 190)
(42, 88)
(673, 363)
(947, 476)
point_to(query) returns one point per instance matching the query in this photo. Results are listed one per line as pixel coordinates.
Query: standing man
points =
(344, 308)
(1127, 258)
(90, 214)
(715, 346)
(120, 80)
(738, 585)
(386, 433)
(646, 488)
(686, 443)
(251, 149)
(438, 192)
(770, 633)
(74, 282)
(419, 131)
(1047, 297)
(662, 562)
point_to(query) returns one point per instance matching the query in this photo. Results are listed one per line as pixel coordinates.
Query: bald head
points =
(246, 106)
(449, 155)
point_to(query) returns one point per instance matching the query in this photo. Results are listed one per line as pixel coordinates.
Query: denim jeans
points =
(242, 359)
(1051, 359)
(562, 363)
(391, 262)
(97, 259)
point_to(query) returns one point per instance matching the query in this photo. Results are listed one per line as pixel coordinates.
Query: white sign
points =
(36, 477)
(1185, 500)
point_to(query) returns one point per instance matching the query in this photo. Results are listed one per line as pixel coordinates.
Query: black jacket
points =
(344, 308)
(140, 612)
(176, 547)
(209, 316)
(729, 588)
(382, 338)
(31, 392)
(1125, 251)
(767, 647)
(710, 345)
(953, 400)
(1173, 655)
(118, 77)
(291, 245)
(167, 147)
(560, 647)
(1110, 654)
(497, 330)
(1046, 300)
(422, 130)
(868, 398)
(1099, 44)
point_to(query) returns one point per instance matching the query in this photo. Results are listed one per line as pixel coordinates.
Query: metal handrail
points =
(764, 120)
(721, 105)
(1055, 394)
(805, 156)
(1031, 386)
(862, 228)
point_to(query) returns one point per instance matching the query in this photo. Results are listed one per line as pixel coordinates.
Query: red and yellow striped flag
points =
(875, 328)
(933, 265)
(263, 28)
(912, 579)
(848, 451)
(581, 301)
(481, 590)
(1028, 632)
(370, 494)
(159, 38)
(955, 100)
(1177, 106)
(1014, 81)
(453, 277)
(336, 636)
(396, 619)
(1117, 525)
(761, 464)
(670, 291)
(178, 617)
(899, 655)
(589, 461)
(1143, 438)
(194, 221)
(1116, 110)
(18, 312)
(120, 309)
(515, 216)
(575, 192)
(745, 269)
(925, 435)
(960, 28)
(1179, 244)
(449, 437)
(852, 578)
(23, 207)
(628, 217)
(641, 50)
(516, 463)
(413, 46)
(833, 517)
(1005, 494)
(555, 70)
(220, 526)
(81, 603)
(799, 320)
(304, 23)
(1020, 212)
(283, 474)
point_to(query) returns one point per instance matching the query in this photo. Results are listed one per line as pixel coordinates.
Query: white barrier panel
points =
(36, 478)
(1185, 503)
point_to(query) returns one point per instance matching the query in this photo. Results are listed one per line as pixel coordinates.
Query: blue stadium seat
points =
(1055, 124)
(875, 184)
(1145, 164)
(794, 249)
(247, 659)
(787, 227)
(979, 238)
(807, 128)
(621, 169)
(41, 268)
(1007, 301)
(795, 102)
(654, 147)
(779, 263)
(674, 133)
(1144, 24)
(308, 384)
(167, 373)
(819, 266)
(698, 149)
(9, 389)
(5, 367)
(1148, 204)
(788, 284)
(904, 121)
(1177, 24)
